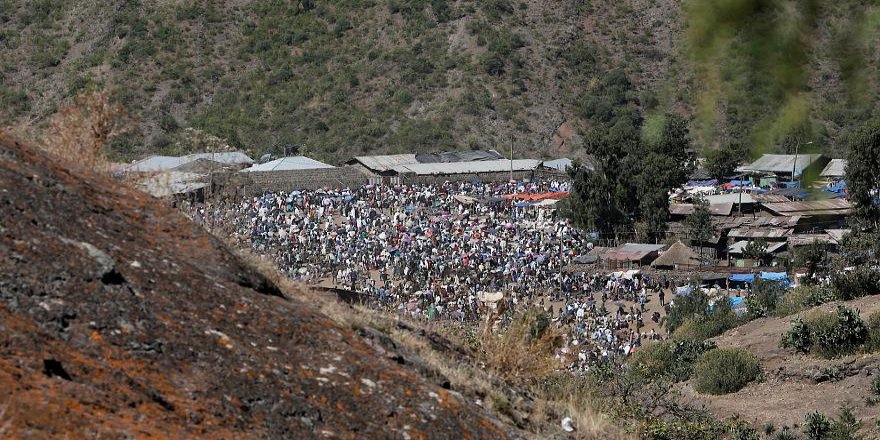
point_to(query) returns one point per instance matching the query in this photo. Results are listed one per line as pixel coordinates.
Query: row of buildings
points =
(196, 174)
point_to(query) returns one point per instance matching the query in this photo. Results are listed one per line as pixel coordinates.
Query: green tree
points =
(814, 257)
(722, 163)
(862, 178)
(756, 249)
(699, 224)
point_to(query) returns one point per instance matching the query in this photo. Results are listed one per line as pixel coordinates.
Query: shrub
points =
(798, 337)
(765, 296)
(672, 358)
(873, 343)
(839, 334)
(861, 281)
(710, 325)
(723, 371)
(817, 426)
(686, 307)
(830, 335)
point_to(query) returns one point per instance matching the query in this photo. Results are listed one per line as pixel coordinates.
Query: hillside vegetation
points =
(355, 76)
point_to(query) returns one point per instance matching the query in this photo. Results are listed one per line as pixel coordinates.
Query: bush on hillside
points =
(804, 297)
(839, 334)
(798, 337)
(817, 426)
(702, 327)
(831, 335)
(862, 281)
(873, 333)
(674, 359)
(725, 370)
(686, 307)
(766, 295)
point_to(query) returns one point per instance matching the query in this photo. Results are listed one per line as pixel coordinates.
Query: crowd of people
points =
(461, 251)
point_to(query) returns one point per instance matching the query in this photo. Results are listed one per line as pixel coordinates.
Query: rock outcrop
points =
(119, 318)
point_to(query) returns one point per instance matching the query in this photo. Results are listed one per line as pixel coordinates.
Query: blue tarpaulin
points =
(741, 182)
(838, 188)
(742, 277)
(736, 301)
(796, 184)
(774, 276)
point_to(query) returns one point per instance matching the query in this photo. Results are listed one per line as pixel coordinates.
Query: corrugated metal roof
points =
(759, 233)
(780, 163)
(808, 239)
(681, 209)
(733, 198)
(492, 166)
(633, 251)
(810, 207)
(384, 163)
(558, 164)
(156, 164)
(837, 234)
(289, 163)
(756, 222)
(227, 157)
(740, 246)
(835, 168)
(771, 198)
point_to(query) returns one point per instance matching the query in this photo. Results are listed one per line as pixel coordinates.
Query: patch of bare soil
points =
(797, 384)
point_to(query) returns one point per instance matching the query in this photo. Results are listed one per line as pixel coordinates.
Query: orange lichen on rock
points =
(105, 298)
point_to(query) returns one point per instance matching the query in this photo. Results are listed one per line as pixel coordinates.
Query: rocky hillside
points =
(345, 77)
(121, 319)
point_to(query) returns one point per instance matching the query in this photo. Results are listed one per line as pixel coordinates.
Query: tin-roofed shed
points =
(835, 169)
(289, 164)
(784, 164)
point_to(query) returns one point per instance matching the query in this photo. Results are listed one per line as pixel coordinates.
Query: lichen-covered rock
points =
(121, 319)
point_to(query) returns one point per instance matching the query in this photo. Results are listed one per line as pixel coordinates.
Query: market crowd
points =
(460, 251)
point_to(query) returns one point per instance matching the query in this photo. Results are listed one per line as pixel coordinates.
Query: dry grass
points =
(78, 133)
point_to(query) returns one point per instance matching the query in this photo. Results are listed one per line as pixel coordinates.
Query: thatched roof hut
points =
(677, 256)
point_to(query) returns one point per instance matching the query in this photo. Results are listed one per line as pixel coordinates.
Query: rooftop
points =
(835, 168)
(289, 163)
(633, 251)
(781, 163)
(492, 166)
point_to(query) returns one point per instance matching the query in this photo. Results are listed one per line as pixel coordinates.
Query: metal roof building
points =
(740, 247)
(227, 157)
(810, 207)
(384, 163)
(557, 164)
(732, 198)
(783, 163)
(155, 164)
(288, 164)
(634, 252)
(491, 166)
(835, 168)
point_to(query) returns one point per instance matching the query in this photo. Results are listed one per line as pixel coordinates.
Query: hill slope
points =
(119, 319)
(347, 77)
(796, 384)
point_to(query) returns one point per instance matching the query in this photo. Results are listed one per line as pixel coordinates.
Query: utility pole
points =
(511, 156)
(797, 146)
